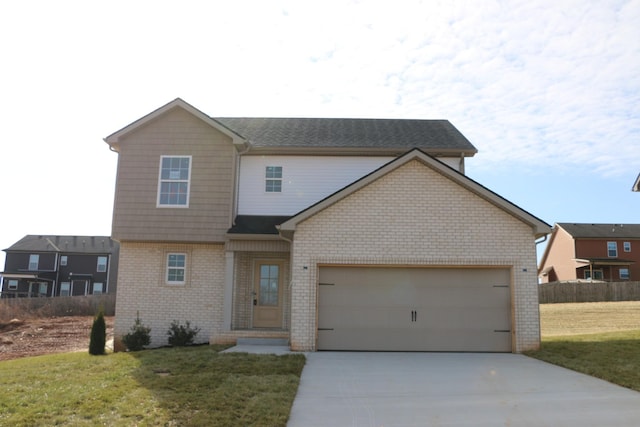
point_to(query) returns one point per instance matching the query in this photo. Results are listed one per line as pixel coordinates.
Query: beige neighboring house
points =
(636, 185)
(331, 234)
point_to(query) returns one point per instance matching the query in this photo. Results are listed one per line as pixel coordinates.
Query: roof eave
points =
(115, 138)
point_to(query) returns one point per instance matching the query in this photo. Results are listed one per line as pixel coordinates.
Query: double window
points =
(176, 268)
(273, 183)
(174, 181)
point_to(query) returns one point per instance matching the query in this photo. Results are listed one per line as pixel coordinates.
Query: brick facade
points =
(142, 289)
(414, 216)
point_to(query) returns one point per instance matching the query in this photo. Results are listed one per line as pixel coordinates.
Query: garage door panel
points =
(414, 309)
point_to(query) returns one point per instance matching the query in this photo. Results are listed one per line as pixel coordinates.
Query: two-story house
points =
(338, 234)
(609, 252)
(47, 266)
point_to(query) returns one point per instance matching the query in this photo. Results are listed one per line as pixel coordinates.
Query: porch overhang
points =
(604, 261)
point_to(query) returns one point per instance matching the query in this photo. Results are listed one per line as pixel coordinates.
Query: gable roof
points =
(292, 135)
(114, 139)
(601, 231)
(65, 244)
(540, 227)
(438, 136)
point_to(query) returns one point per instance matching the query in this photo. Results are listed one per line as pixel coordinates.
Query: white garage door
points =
(414, 309)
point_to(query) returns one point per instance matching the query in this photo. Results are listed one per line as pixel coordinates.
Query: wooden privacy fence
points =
(557, 292)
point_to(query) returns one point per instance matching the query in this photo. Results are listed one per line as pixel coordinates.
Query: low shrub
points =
(138, 337)
(181, 335)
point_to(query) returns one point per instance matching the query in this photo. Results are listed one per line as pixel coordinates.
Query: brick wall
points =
(142, 288)
(414, 216)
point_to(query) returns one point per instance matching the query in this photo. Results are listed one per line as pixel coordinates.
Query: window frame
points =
(625, 276)
(103, 265)
(612, 248)
(162, 180)
(93, 288)
(273, 179)
(12, 284)
(68, 290)
(626, 246)
(33, 263)
(64, 260)
(596, 273)
(175, 268)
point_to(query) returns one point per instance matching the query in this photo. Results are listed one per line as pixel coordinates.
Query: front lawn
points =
(607, 345)
(167, 387)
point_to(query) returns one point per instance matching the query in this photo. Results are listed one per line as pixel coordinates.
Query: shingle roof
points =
(257, 224)
(402, 134)
(611, 231)
(69, 244)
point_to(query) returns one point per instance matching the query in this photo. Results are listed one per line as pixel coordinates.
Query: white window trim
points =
(12, 284)
(628, 275)
(167, 268)
(160, 180)
(93, 290)
(64, 259)
(35, 257)
(68, 290)
(267, 179)
(98, 264)
(626, 246)
(608, 254)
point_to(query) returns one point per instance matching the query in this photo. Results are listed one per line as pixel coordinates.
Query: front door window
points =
(267, 295)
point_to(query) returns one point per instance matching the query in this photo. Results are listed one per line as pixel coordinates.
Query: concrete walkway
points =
(454, 389)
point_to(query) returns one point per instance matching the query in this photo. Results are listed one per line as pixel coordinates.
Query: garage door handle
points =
(501, 330)
(414, 316)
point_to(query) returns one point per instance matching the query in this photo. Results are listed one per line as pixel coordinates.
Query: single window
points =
(13, 284)
(612, 249)
(173, 186)
(63, 260)
(627, 246)
(97, 288)
(34, 260)
(42, 289)
(102, 264)
(624, 273)
(273, 179)
(269, 279)
(65, 289)
(176, 266)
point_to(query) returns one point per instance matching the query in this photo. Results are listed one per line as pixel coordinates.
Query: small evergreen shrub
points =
(98, 338)
(138, 337)
(181, 335)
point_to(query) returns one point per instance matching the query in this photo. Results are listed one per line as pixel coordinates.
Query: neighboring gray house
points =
(52, 266)
(337, 234)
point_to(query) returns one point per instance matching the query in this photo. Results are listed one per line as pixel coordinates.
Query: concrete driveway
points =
(454, 389)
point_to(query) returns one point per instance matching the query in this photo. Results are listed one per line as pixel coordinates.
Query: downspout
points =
(290, 276)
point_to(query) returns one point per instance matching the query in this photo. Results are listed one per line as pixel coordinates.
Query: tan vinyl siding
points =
(176, 133)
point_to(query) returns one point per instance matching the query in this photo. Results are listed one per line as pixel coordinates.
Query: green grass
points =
(612, 355)
(165, 387)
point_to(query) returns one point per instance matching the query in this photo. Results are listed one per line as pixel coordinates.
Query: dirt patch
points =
(34, 337)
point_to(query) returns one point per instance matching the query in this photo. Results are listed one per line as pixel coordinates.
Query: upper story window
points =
(34, 260)
(627, 246)
(174, 181)
(102, 264)
(612, 249)
(273, 179)
(176, 267)
(63, 260)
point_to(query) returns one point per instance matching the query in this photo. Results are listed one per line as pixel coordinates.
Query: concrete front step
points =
(263, 341)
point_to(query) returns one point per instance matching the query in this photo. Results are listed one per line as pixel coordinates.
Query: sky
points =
(547, 91)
